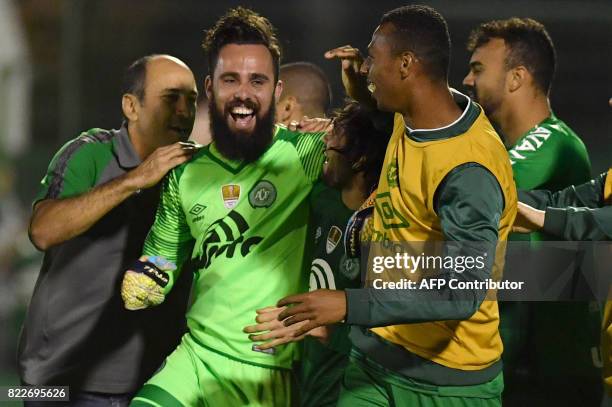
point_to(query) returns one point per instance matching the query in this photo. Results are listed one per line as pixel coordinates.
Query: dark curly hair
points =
(363, 139)
(241, 26)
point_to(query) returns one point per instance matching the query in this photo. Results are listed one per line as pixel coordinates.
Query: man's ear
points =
(208, 87)
(129, 105)
(278, 90)
(407, 60)
(358, 165)
(516, 78)
(285, 109)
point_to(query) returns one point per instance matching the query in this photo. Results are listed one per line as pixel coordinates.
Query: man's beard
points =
(471, 92)
(239, 146)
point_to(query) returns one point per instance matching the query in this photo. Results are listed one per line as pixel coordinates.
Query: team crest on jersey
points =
(262, 195)
(318, 234)
(230, 194)
(333, 238)
(349, 267)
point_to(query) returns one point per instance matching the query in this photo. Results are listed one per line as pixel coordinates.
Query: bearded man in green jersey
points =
(511, 72)
(238, 211)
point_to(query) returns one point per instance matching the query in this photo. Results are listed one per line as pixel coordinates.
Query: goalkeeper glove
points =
(143, 285)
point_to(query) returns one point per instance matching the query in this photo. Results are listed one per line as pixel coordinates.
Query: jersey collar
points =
(470, 113)
(230, 165)
(124, 149)
(550, 120)
(233, 165)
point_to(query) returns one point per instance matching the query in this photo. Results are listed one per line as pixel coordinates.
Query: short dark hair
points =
(528, 44)
(424, 32)
(363, 139)
(135, 77)
(241, 26)
(308, 84)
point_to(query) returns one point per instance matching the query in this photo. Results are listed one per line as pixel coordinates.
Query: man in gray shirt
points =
(95, 206)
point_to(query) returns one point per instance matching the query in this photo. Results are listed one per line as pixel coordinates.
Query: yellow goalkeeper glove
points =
(143, 285)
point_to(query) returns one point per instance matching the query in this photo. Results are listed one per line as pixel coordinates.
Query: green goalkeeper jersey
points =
(243, 228)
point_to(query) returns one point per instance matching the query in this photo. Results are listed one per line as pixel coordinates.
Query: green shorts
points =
(196, 376)
(367, 383)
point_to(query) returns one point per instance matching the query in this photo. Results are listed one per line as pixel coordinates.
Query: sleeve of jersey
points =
(590, 195)
(579, 223)
(72, 171)
(470, 204)
(170, 236)
(311, 149)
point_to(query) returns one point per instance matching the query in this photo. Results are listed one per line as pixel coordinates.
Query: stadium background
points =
(61, 63)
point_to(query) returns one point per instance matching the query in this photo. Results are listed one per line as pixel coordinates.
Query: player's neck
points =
(355, 193)
(433, 107)
(522, 117)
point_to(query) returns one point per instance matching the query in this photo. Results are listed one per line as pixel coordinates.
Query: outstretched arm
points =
(574, 213)
(470, 206)
(58, 218)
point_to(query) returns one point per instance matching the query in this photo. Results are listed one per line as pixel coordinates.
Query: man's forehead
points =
(162, 64)
(166, 73)
(494, 48)
(380, 37)
(245, 57)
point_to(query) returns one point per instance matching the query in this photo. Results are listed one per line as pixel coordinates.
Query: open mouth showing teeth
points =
(241, 112)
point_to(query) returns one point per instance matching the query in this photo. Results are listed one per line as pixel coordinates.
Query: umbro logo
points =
(197, 209)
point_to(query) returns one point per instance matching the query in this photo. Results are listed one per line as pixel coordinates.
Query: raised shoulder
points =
(309, 146)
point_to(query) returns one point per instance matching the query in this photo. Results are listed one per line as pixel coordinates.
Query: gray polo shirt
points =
(77, 331)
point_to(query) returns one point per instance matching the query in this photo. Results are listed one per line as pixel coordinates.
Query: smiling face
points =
(167, 111)
(242, 93)
(486, 80)
(382, 68)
